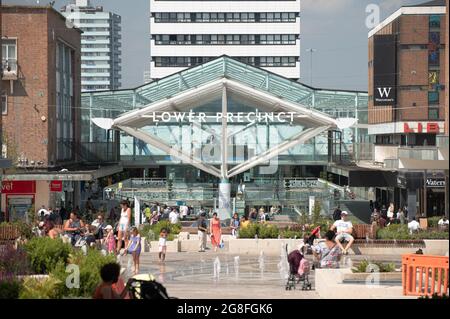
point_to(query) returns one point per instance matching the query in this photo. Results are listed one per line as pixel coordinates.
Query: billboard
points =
(384, 70)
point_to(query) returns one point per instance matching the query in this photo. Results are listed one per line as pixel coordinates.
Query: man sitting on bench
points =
(344, 229)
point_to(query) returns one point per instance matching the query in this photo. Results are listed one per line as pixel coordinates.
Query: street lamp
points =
(311, 51)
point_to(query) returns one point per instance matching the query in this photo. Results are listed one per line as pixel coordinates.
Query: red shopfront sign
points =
(18, 187)
(431, 128)
(56, 186)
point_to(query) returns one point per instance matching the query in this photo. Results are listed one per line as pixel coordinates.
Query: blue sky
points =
(335, 28)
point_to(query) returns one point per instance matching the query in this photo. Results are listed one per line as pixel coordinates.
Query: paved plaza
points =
(191, 275)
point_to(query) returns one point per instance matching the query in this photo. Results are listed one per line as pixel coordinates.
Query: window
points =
(433, 113)
(4, 101)
(433, 98)
(9, 54)
(435, 21)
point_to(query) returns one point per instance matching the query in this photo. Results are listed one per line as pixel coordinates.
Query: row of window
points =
(214, 17)
(96, 70)
(96, 29)
(95, 53)
(95, 87)
(220, 39)
(257, 61)
(95, 46)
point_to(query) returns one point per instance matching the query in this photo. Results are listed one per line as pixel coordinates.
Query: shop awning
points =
(65, 175)
(430, 165)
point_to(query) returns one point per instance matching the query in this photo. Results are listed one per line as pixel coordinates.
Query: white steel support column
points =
(224, 186)
(224, 152)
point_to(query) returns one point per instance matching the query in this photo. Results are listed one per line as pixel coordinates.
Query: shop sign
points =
(435, 182)
(18, 187)
(149, 183)
(302, 183)
(56, 186)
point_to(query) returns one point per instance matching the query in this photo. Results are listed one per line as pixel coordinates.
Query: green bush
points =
(433, 221)
(268, 231)
(286, 233)
(9, 289)
(263, 231)
(45, 253)
(89, 267)
(249, 232)
(363, 267)
(34, 288)
(152, 231)
(401, 232)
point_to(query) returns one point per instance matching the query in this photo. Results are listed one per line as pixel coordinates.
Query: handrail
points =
(424, 275)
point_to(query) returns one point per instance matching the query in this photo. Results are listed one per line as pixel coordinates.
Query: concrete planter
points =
(331, 284)
(343, 284)
(255, 246)
(383, 278)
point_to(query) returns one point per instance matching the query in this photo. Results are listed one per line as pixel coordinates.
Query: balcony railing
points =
(418, 153)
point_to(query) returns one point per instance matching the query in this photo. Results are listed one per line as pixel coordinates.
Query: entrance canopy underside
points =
(290, 100)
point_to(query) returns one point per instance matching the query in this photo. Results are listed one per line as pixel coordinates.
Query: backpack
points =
(304, 267)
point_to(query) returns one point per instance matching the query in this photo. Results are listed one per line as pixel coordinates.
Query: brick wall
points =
(412, 80)
(30, 123)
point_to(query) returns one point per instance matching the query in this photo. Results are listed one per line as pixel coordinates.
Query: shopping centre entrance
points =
(240, 125)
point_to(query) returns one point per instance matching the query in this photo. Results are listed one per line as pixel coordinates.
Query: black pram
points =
(294, 260)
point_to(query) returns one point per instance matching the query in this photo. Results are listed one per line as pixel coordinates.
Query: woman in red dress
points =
(216, 231)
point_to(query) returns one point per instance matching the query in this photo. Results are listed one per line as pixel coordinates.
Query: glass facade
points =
(253, 141)
(64, 102)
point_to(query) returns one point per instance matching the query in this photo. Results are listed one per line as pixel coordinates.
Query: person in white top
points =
(344, 229)
(390, 213)
(173, 217)
(413, 226)
(443, 223)
(184, 211)
(124, 224)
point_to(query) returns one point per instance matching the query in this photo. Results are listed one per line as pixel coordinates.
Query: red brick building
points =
(407, 103)
(40, 91)
(41, 117)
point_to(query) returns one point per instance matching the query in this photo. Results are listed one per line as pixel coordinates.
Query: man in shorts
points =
(344, 229)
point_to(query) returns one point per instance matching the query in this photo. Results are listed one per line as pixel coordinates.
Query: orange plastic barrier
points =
(424, 275)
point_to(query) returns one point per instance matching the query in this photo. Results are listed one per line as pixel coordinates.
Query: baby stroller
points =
(145, 287)
(298, 271)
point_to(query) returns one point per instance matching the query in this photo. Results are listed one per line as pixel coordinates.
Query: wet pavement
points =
(222, 275)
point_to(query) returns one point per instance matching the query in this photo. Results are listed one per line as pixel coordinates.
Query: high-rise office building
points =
(188, 33)
(100, 45)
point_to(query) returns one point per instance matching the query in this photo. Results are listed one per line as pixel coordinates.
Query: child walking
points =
(110, 241)
(162, 244)
(134, 248)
